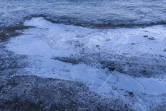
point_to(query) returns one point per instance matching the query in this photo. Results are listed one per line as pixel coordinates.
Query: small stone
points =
(112, 68)
(145, 36)
(131, 94)
(97, 45)
(133, 43)
(151, 38)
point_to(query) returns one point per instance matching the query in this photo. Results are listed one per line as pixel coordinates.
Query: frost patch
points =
(98, 58)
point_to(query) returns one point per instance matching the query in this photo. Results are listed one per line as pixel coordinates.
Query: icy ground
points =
(116, 63)
(101, 13)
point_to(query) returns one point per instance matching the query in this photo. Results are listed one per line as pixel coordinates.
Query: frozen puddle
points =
(48, 41)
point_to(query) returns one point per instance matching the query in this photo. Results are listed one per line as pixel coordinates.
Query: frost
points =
(99, 58)
(85, 12)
